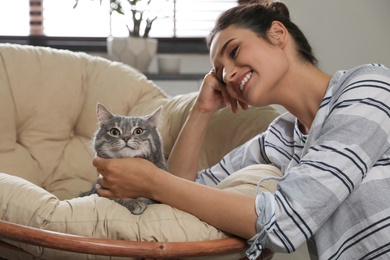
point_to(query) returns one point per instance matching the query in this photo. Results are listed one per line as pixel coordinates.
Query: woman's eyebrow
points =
(225, 46)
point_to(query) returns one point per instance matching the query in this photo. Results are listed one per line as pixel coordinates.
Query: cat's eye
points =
(138, 131)
(115, 132)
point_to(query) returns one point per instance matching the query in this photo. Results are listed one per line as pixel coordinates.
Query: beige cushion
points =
(48, 101)
(95, 216)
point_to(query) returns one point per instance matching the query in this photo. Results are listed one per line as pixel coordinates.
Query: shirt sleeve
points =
(339, 153)
(249, 153)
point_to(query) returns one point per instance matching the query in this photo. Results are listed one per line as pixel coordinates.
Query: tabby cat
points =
(128, 136)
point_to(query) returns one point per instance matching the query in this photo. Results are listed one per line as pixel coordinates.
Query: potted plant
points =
(138, 49)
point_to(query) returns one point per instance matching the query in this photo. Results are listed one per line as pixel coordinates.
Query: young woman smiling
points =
(332, 146)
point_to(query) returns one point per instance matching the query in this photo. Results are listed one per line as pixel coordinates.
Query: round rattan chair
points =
(119, 248)
(49, 97)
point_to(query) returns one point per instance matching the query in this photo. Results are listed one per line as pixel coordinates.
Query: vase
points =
(136, 52)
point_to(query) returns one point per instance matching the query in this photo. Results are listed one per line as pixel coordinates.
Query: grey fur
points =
(129, 136)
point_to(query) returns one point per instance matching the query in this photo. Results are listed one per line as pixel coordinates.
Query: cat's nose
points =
(125, 139)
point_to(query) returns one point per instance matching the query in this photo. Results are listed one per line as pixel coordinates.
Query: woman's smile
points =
(245, 80)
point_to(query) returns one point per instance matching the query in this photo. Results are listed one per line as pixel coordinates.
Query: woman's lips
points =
(245, 80)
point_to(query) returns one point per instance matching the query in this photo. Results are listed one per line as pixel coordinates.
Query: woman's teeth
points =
(245, 80)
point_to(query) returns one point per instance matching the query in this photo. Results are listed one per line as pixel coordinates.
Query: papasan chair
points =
(48, 99)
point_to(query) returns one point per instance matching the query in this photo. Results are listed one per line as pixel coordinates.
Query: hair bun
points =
(277, 7)
(260, 2)
(280, 8)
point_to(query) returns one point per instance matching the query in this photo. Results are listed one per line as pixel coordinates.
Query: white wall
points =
(345, 33)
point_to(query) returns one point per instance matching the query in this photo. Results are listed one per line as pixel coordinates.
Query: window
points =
(177, 18)
(18, 17)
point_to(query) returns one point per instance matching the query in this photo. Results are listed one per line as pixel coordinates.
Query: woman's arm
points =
(232, 212)
(184, 158)
(135, 177)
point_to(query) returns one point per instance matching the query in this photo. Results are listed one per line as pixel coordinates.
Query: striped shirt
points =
(335, 190)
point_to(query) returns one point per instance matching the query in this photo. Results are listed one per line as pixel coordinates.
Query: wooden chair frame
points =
(119, 248)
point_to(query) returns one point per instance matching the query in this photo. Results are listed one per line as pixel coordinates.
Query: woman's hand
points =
(213, 95)
(124, 177)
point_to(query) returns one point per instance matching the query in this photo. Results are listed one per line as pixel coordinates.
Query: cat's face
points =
(122, 136)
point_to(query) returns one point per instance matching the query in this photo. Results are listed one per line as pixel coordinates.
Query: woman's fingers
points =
(105, 193)
(234, 104)
(243, 105)
(225, 96)
(99, 164)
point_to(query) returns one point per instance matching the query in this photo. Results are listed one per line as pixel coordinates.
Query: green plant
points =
(142, 14)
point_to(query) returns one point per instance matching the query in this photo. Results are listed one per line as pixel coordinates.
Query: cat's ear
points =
(154, 118)
(103, 115)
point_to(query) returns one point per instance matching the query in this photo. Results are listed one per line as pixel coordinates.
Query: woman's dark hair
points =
(258, 16)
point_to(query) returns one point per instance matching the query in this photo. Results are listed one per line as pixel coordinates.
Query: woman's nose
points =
(228, 74)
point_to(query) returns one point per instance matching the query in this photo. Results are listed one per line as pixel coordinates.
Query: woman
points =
(332, 146)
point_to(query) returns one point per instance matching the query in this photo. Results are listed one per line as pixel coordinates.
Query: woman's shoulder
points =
(359, 77)
(371, 69)
(369, 66)
(365, 71)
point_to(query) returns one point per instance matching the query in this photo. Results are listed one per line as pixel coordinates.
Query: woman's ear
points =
(277, 34)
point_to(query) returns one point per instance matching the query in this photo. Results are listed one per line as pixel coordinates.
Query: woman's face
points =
(251, 67)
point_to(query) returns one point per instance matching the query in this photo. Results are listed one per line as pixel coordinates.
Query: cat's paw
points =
(135, 206)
